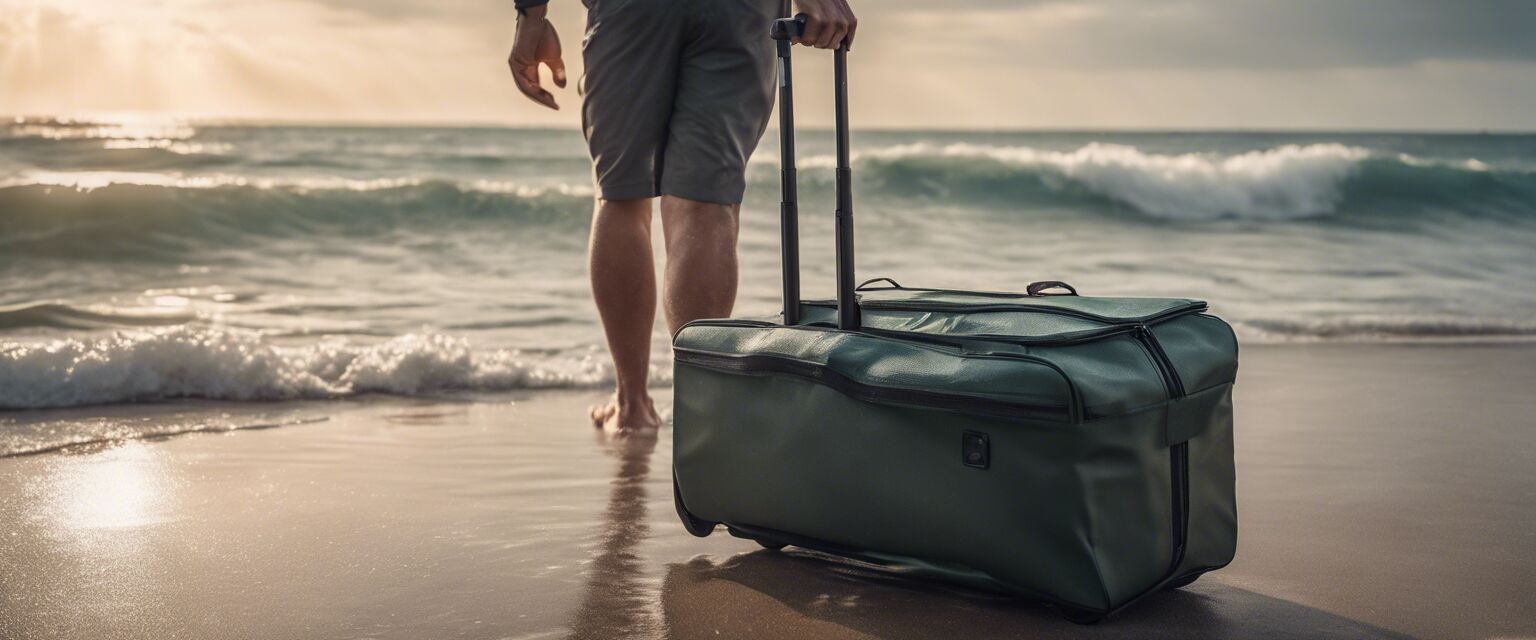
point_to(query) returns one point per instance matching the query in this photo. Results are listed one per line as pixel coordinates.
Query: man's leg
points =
(725, 83)
(624, 286)
(701, 259)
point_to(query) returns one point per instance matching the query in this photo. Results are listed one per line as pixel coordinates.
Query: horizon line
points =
(409, 123)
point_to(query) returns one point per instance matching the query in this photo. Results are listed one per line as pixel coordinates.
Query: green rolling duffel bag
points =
(1071, 449)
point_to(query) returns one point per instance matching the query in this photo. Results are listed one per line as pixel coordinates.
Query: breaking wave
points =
(1283, 183)
(148, 212)
(1387, 329)
(222, 364)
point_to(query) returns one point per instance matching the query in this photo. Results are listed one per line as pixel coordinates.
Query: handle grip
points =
(788, 28)
(1040, 288)
(865, 284)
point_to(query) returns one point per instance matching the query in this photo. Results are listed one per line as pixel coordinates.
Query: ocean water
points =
(147, 260)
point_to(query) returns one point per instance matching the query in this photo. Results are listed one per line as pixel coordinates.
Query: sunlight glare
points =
(116, 489)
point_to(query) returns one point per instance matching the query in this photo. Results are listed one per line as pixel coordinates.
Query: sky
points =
(1185, 64)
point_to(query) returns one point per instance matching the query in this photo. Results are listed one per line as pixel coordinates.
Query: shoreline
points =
(173, 417)
(1383, 493)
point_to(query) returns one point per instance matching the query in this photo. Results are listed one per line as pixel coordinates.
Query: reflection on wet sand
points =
(799, 594)
(101, 511)
(616, 603)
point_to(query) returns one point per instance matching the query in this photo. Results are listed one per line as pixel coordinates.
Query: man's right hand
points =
(828, 23)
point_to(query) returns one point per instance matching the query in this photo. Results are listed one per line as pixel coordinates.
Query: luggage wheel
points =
(766, 543)
(771, 545)
(696, 526)
(1182, 582)
(1080, 616)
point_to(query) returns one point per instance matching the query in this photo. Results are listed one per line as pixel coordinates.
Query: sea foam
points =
(223, 364)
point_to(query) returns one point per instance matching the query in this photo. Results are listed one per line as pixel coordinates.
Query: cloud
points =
(452, 10)
(275, 59)
(951, 63)
(1253, 34)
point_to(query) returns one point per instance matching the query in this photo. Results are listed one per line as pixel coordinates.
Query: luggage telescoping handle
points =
(847, 304)
(789, 202)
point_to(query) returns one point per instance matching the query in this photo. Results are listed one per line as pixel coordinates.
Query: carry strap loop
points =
(866, 283)
(1040, 288)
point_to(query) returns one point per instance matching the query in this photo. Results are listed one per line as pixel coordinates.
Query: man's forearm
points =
(524, 5)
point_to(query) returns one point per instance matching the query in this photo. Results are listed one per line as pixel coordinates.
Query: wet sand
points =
(1384, 492)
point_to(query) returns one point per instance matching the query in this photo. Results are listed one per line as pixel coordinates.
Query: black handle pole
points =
(789, 205)
(848, 318)
(847, 303)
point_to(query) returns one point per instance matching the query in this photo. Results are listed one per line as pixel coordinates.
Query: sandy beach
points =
(306, 306)
(1384, 492)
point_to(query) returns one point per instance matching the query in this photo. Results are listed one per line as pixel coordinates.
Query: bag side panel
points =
(1114, 376)
(787, 454)
(1202, 348)
(1212, 492)
(1128, 484)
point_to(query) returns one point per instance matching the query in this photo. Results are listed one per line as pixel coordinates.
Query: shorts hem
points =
(704, 194)
(630, 191)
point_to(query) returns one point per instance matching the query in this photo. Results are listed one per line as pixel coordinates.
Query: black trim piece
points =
(822, 374)
(1178, 461)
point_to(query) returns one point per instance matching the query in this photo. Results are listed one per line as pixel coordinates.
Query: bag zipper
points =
(1178, 455)
(1057, 340)
(1160, 359)
(825, 375)
(934, 305)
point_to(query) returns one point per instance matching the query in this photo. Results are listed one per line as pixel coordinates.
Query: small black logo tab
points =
(975, 450)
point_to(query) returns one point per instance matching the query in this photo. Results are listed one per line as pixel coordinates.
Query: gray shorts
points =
(676, 95)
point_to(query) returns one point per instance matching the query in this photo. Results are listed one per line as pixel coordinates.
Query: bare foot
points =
(621, 416)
